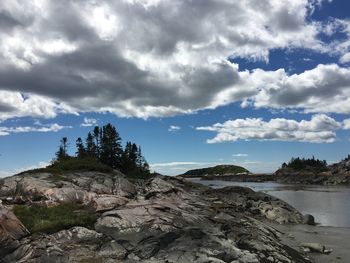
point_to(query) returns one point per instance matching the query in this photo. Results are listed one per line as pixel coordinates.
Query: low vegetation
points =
(312, 164)
(73, 164)
(101, 152)
(216, 170)
(52, 219)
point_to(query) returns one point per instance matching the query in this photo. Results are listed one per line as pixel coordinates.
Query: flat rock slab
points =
(334, 238)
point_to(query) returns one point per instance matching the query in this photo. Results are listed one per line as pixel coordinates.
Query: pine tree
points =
(90, 146)
(62, 151)
(140, 159)
(111, 151)
(104, 144)
(97, 137)
(134, 154)
(60, 154)
(81, 152)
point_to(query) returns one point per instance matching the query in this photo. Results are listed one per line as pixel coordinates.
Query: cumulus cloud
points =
(16, 105)
(325, 88)
(320, 129)
(345, 58)
(21, 169)
(346, 124)
(128, 58)
(88, 122)
(173, 128)
(24, 129)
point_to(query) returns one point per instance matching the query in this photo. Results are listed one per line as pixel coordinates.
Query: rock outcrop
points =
(162, 219)
(11, 231)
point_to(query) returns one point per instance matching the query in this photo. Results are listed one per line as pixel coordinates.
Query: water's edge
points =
(328, 204)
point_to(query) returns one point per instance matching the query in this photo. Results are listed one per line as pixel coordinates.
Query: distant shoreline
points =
(292, 178)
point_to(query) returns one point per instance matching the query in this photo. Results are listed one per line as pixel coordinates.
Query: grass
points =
(39, 219)
(73, 164)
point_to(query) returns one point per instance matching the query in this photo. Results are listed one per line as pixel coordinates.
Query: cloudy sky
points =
(196, 83)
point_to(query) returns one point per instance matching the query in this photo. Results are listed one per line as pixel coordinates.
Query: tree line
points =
(300, 164)
(104, 144)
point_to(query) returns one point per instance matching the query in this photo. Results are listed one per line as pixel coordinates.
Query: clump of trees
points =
(306, 164)
(104, 144)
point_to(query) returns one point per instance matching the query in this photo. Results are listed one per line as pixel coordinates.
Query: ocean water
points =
(330, 205)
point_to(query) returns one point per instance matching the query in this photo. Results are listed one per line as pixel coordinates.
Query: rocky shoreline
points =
(163, 219)
(286, 177)
(335, 174)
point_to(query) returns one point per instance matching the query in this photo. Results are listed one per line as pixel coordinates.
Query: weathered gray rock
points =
(79, 235)
(308, 219)
(108, 202)
(112, 250)
(11, 231)
(70, 195)
(316, 247)
(255, 203)
(160, 220)
(122, 187)
(159, 185)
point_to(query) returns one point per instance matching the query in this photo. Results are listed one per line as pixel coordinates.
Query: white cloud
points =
(16, 105)
(325, 88)
(128, 58)
(24, 129)
(346, 124)
(345, 58)
(22, 169)
(5, 173)
(173, 128)
(320, 129)
(88, 122)
(240, 155)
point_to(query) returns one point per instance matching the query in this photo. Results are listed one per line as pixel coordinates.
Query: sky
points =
(195, 83)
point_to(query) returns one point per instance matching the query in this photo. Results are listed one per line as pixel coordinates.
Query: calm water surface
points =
(330, 205)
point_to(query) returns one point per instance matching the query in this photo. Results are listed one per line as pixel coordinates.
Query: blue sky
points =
(196, 84)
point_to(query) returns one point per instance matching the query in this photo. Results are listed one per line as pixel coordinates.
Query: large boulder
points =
(11, 231)
(69, 195)
(308, 219)
(108, 202)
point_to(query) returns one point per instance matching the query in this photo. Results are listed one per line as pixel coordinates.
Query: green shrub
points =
(52, 219)
(72, 164)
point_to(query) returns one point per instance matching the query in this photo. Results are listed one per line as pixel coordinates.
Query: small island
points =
(296, 171)
(219, 170)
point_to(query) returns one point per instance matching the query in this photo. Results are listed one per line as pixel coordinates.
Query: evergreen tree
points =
(64, 143)
(81, 152)
(132, 161)
(140, 159)
(104, 144)
(111, 150)
(300, 164)
(90, 146)
(60, 154)
(134, 154)
(97, 137)
(62, 150)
